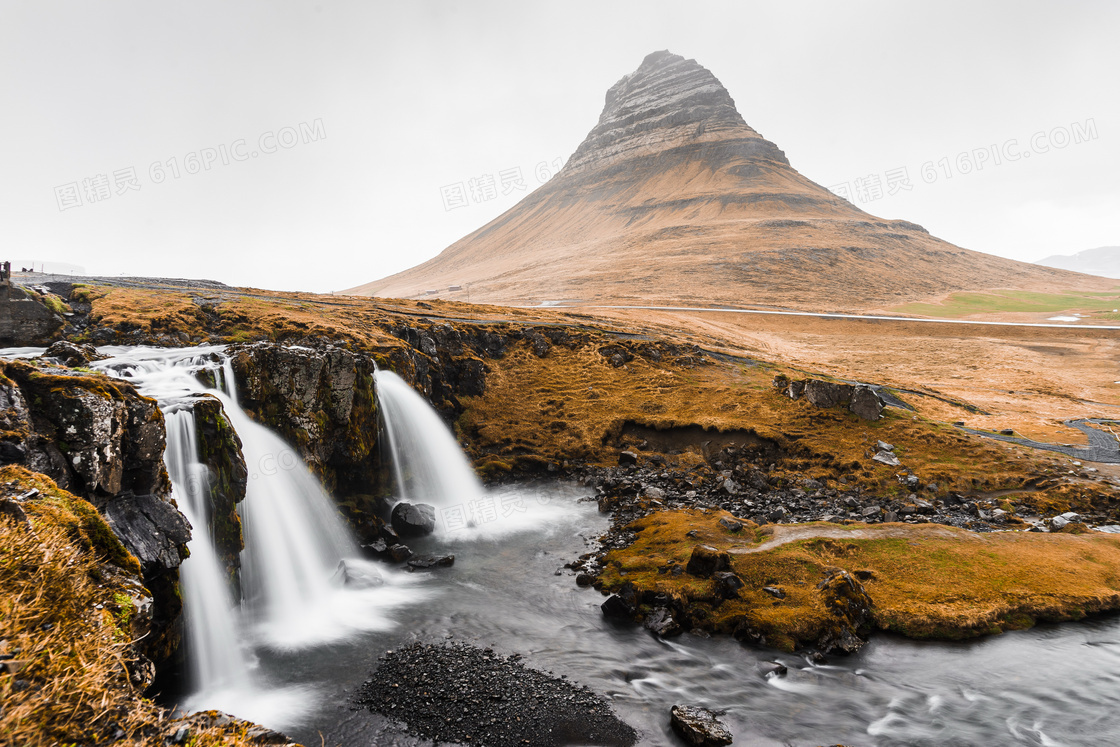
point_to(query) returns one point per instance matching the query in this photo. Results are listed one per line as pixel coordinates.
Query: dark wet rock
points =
(538, 343)
(771, 668)
(706, 560)
(660, 622)
(378, 548)
(699, 726)
(623, 605)
(617, 355)
(627, 457)
(731, 525)
(421, 562)
(466, 695)
(866, 403)
(850, 608)
(72, 354)
(151, 529)
(728, 584)
(400, 553)
(323, 402)
(413, 519)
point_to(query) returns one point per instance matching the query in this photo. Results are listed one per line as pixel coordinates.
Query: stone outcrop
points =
(99, 439)
(26, 319)
(861, 399)
(93, 436)
(850, 607)
(323, 402)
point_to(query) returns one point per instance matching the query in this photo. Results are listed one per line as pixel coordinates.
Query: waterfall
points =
(302, 581)
(429, 465)
(217, 660)
(294, 541)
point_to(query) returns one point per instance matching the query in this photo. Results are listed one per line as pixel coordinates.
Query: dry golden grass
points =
(66, 616)
(574, 405)
(925, 581)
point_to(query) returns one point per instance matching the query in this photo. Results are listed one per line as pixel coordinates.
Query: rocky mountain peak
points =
(668, 100)
(671, 196)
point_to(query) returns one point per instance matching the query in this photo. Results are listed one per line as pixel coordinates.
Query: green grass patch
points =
(965, 304)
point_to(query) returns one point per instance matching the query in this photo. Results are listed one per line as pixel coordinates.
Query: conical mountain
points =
(673, 198)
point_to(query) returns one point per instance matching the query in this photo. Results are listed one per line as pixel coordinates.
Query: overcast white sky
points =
(399, 100)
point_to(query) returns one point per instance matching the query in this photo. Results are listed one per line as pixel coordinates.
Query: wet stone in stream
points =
(460, 693)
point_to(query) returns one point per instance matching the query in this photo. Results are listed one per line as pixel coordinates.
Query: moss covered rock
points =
(219, 448)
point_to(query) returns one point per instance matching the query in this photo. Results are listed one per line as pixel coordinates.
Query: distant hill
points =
(672, 197)
(1103, 261)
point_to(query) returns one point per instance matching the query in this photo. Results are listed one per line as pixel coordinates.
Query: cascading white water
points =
(294, 543)
(218, 663)
(299, 564)
(430, 466)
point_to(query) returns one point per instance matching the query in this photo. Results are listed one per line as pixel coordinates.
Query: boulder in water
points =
(699, 726)
(356, 576)
(400, 553)
(71, 354)
(660, 622)
(623, 605)
(430, 561)
(413, 519)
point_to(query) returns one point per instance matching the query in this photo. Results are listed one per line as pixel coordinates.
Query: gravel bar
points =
(455, 692)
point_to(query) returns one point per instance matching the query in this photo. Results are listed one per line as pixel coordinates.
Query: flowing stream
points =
(1052, 685)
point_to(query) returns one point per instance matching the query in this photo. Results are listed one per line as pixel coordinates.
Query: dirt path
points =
(784, 534)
